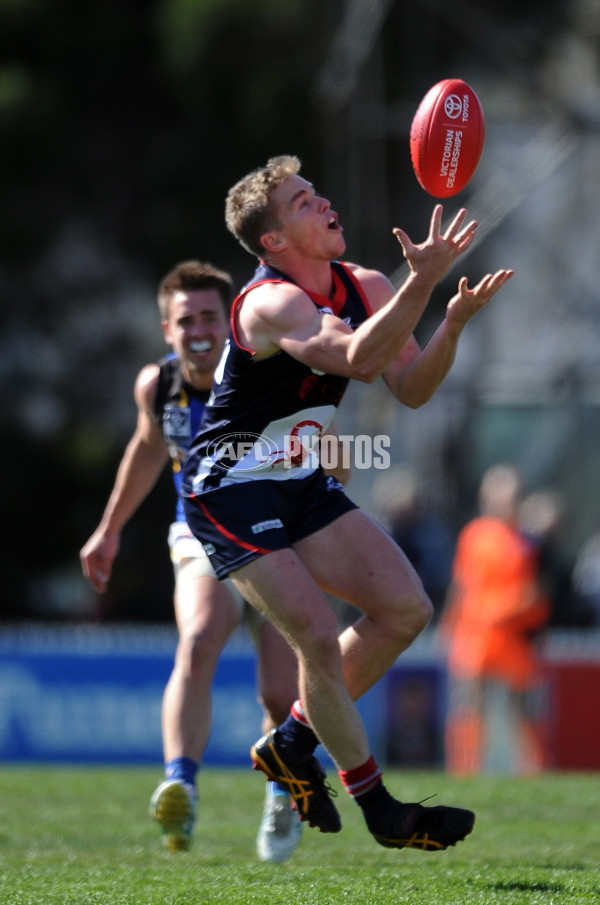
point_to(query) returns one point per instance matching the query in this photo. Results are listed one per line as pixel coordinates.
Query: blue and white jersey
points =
(264, 417)
(178, 409)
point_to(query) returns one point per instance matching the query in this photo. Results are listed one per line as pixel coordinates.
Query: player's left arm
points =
(416, 373)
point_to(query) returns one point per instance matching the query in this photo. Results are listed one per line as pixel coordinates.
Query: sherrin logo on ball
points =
(446, 137)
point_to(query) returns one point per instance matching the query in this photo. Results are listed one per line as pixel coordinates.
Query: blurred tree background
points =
(123, 124)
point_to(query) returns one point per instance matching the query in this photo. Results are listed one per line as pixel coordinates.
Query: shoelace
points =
(322, 776)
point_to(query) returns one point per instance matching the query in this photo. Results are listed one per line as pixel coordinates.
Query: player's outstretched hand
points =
(433, 258)
(468, 302)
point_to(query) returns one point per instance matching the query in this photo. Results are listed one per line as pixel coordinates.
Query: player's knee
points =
(319, 644)
(412, 615)
(198, 652)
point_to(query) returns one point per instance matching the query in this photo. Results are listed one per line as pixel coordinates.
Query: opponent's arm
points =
(142, 462)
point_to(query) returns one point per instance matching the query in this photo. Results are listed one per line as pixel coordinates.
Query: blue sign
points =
(94, 694)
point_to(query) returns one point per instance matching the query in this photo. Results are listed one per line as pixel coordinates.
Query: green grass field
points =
(82, 836)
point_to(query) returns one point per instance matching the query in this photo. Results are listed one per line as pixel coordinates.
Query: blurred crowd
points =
(499, 583)
(428, 537)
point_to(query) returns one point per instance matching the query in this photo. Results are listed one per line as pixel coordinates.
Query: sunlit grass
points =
(83, 835)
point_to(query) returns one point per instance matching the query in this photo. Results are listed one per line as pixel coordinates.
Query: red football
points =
(446, 137)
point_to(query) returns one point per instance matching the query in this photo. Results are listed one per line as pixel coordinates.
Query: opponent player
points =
(194, 300)
(283, 532)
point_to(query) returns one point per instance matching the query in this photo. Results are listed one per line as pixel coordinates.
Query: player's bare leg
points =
(334, 673)
(355, 559)
(280, 586)
(206, 614)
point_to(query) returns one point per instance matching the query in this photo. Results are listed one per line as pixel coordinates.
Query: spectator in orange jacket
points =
(494, 610)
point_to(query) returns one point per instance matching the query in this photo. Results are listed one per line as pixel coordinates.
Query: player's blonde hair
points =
(248, 212)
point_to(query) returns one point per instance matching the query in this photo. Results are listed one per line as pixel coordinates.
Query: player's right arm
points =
(275, 316)
(143, 460)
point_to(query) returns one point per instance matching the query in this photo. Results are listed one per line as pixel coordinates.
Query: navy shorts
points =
(238, 523)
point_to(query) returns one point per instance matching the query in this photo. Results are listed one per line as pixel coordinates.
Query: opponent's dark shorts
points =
(236, 524)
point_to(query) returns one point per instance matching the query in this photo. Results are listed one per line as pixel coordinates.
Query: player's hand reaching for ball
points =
(468, 302)
(431, 260)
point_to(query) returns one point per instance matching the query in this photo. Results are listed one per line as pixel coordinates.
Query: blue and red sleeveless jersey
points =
(263, 415)
(178, 409)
